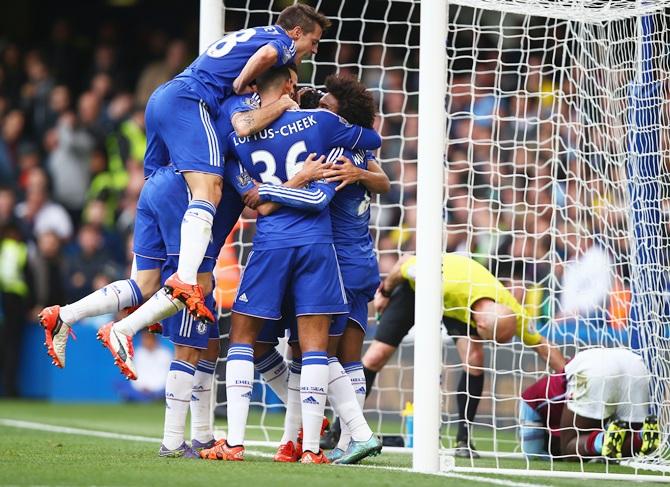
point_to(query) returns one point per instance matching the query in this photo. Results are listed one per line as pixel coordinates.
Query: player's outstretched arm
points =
(551, 354)
(262, 60)
(393, 280)
(315, 197)
(253, 121)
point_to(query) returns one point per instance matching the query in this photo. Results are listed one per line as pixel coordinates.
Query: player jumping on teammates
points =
(181, 125)
(293, 250)
(599, 386)
(476, 306)
(238, 113)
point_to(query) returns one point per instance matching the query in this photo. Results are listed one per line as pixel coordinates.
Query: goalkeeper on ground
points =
(606, 391)
(476, 307)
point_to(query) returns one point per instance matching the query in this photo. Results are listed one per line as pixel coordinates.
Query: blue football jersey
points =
(211, 74)
(276, 153)
(350, 208)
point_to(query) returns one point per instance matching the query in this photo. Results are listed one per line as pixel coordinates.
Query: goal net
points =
(555, 179)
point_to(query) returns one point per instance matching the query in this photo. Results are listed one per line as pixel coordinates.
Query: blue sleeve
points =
(344, 134)
(315, 197)
(239, 103)
(285, 48)
(237, 176)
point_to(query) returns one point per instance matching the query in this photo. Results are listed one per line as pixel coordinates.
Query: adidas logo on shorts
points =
(247, 395)
(360, 390)
(310, 400)
(243, 298)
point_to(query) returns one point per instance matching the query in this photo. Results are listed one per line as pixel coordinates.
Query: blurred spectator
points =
(38, 214)
(69, 164)
(13, 75)
(155, 74)
(152, 360)
(14, 288)
(35, 93)
(7, 205)
(88, 265)
(12, 135)
(46, 265)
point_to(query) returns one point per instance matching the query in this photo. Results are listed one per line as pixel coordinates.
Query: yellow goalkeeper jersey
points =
(464, 282)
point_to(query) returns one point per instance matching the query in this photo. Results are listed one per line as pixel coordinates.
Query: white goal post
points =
(533, 136)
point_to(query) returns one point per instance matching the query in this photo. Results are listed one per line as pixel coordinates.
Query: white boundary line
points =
(32, 425)
(457, 473)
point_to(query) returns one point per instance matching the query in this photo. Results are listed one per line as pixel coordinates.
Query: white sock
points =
(156, 308)
(178, 389)
(355, 372)
(110, 299)
(196, 232)
(201, 402)
(313, 394)
(344, 401)
(239, 382)
(274, 371)
(293, 418)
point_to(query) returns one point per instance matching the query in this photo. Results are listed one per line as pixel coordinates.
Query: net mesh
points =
(555, 179)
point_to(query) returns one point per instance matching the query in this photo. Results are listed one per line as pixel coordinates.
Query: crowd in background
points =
(72, 146)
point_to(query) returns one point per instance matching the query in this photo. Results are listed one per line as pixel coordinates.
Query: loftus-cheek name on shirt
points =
(283, 131)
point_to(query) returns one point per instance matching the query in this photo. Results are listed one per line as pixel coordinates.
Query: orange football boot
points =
(56, 333)
(191, 295)
(121, 348)
(222, 451)
(287, 453)
(311, 457)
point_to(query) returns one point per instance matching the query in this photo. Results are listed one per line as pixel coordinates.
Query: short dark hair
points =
(275, 76)
(355, 103)
(301, 15)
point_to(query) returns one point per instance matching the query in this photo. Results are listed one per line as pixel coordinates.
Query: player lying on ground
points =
(606, 391)
(239, 114)
(293, 250)
(181, 125)
(350, 216)
(476, 308)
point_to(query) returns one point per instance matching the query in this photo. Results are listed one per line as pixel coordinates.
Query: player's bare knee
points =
(213, 349)
(205, 281)
(377, 355)
(475, 359)
(244, 329)
(187, 354)
(333, 345)
(203, 186)
(149, 282)
(261, 349)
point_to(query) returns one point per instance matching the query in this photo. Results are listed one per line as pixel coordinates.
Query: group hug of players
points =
(231, 131)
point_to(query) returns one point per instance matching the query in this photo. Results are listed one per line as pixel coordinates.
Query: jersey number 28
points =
(224, 45)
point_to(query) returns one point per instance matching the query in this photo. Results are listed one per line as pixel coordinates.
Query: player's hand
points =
(251, 198)
(243, 90)
(380, 302)
(345, 173)
(288, 103)
(314, 169)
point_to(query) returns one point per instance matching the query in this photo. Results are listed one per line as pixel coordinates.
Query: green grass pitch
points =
(37, 457)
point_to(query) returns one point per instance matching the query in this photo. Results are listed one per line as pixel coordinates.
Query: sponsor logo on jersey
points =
(286, 55)
(244, 178)
(253, 102)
